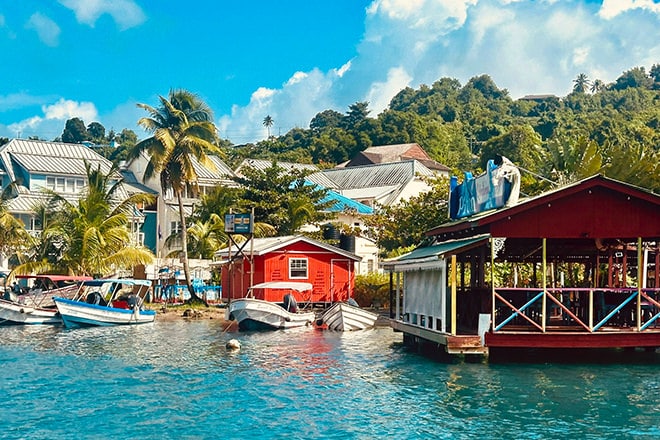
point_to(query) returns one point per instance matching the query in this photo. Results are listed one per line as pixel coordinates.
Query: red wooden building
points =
(576, 268)
(292, 258)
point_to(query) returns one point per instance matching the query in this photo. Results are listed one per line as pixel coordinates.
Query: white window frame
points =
(298, 265)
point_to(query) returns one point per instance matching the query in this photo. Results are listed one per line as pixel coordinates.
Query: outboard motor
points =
(352, 302)
(290, 303)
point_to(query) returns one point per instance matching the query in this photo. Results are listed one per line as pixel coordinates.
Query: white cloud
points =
(611, 8)
(47, 30)
(526, 47)
(126, 13)
(380, 94)
(53, 118)
(66, 109)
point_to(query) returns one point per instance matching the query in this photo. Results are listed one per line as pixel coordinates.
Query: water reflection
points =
(176, 380)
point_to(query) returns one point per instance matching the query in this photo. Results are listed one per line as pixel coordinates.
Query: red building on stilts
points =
(573, 268)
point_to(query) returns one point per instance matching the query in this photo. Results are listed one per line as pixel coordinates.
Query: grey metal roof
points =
(56, 158)
(380, 175)
(261, 165)
(316, 177)
(222, 171)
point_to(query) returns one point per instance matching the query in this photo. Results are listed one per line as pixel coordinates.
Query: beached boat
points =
(256, 314)
(34, 305)
(106, 302)
(347, 316)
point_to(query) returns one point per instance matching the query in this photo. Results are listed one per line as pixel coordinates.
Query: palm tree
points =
(12, 231)
(207, 237)
(268, 122)
(597, 86)
(91, 236)
(183, 132)
(581, 83)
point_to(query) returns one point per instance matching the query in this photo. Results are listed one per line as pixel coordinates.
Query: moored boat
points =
(344, 316)
(257, 314)
(106, 302)
(34, 305)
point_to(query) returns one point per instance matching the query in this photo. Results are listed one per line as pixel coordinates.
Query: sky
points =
(291, 59)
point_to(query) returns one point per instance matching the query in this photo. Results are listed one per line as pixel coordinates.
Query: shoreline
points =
(182, 312)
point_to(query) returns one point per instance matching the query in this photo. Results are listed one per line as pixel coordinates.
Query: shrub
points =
(372, 290)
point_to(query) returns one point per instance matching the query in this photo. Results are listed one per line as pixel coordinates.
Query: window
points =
(298, 268)
(175, 227)
(59, 184)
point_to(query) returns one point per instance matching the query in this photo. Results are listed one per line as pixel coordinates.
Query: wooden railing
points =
(577, 309)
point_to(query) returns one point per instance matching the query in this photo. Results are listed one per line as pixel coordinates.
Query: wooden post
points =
(545, 286)
(453, 294)
(640, 274)
(492, 283)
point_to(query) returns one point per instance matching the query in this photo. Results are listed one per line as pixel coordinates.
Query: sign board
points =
(238, 223)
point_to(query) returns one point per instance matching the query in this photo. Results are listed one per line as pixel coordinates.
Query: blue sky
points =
(290, 59)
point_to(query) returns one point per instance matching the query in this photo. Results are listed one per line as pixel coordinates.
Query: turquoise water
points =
(176, 380)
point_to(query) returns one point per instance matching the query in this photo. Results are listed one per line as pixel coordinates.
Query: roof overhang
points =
(431, 257)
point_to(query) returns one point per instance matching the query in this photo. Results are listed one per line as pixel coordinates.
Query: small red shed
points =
(290, 258)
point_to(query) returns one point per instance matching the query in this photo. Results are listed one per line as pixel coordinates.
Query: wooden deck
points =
(453, 344)
(607, 338)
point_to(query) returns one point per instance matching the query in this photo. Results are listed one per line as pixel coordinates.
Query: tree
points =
(282, 198)
(206, 237)
(74, 131)
(635, 77)
(573, 161)
(96, 132)
(13, 235)
(268, 122)
(92, 236)
(325, 119)
(183, 132)
(357, 113)
(597, 86)
(581, 83)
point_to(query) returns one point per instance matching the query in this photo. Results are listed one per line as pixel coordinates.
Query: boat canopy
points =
(55, 278)
(125, 281)
(288, 285)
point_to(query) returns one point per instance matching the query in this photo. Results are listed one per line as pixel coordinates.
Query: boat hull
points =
(256, 314)
(344, 317)
(81, 314)
(15, 313)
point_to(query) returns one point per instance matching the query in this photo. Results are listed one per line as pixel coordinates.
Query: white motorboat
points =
(106, 302)
(343, 316)
(34, 305)
(256, 314)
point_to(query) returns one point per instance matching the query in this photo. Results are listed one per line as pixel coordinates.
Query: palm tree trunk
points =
(184, 243)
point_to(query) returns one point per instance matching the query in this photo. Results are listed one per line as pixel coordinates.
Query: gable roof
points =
(395, 153)
(585, 209)
(222, 171)
(261, 165)
(56, 158)
(263, 246)
(369, 176)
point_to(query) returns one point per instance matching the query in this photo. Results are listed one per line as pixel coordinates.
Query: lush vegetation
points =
(89, 237)
(613, 129)
(183, 132)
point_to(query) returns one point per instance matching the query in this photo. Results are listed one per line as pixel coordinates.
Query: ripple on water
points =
(177, 380)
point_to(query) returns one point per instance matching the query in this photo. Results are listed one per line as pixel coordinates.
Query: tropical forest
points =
(607, 128)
